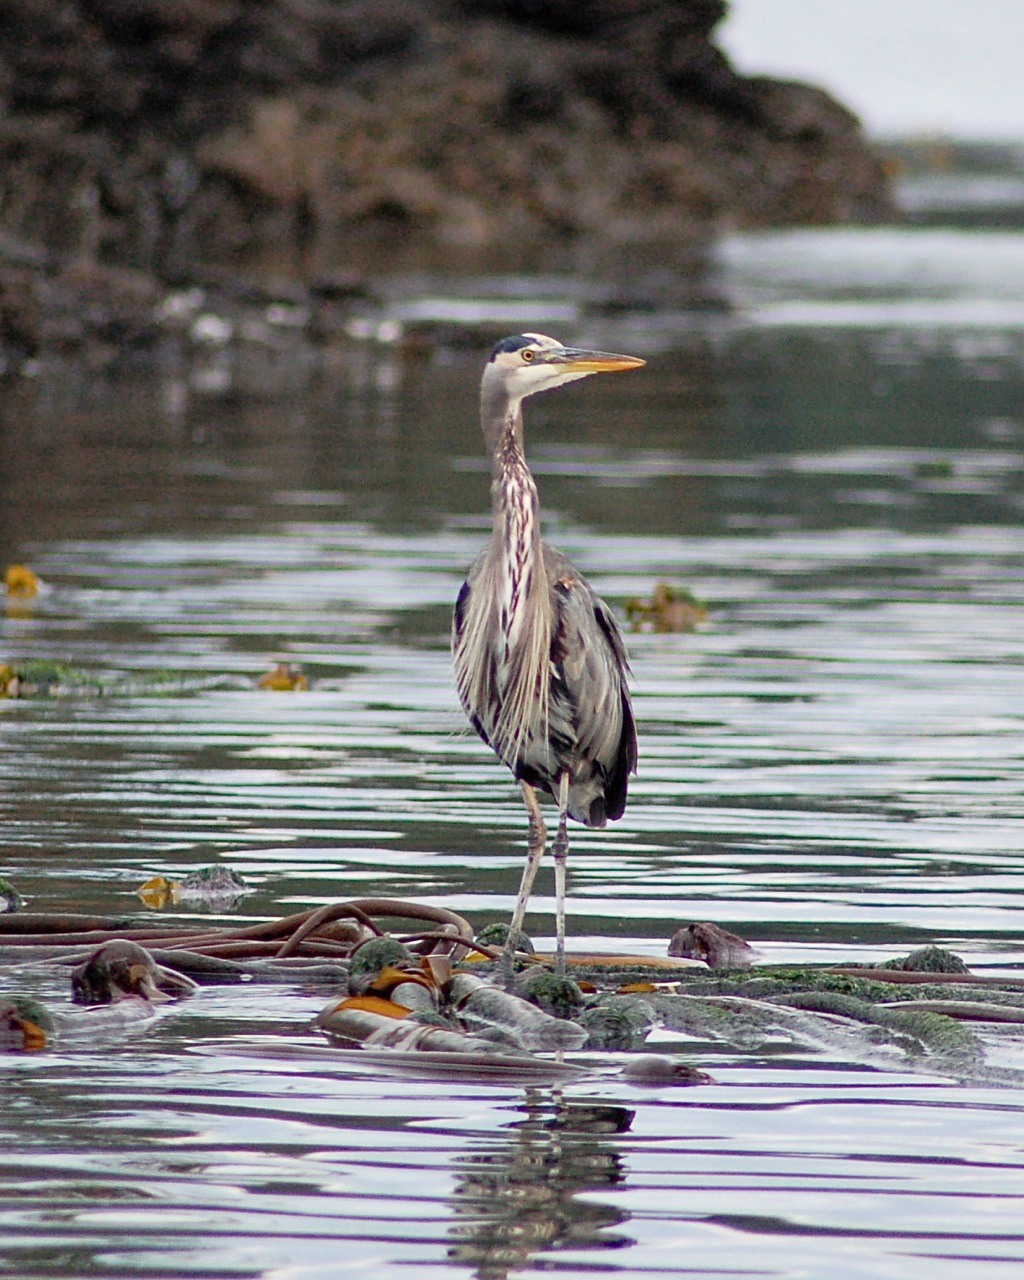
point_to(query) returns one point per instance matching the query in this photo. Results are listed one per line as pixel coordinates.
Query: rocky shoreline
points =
(297, 147)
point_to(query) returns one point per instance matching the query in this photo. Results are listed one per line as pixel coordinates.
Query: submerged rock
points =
(928, 960)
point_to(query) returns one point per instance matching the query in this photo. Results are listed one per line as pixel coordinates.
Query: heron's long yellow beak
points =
(588, 361)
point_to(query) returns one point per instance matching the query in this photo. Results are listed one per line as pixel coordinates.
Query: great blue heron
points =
(539, 661)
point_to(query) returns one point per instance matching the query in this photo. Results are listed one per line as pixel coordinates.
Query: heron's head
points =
(530, 362)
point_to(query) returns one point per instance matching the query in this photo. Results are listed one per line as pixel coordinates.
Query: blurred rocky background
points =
(150, 144)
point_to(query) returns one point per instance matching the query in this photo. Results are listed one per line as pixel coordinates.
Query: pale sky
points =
(947, 67)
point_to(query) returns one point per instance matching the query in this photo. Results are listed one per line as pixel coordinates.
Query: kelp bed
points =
(409, 979)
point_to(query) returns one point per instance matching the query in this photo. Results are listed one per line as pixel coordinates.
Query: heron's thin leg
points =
(560, 850)
(535, 849)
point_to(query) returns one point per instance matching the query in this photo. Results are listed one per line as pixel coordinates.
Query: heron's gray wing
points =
(474, 662)
(589, 696)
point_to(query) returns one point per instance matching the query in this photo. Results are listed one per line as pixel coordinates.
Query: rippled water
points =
(832, 767)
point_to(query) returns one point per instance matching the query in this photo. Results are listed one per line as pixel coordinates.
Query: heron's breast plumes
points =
(502, 647)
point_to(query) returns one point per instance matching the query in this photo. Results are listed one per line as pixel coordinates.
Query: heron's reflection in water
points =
(517, 1194)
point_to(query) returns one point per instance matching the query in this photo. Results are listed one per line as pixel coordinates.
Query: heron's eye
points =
(528, 355)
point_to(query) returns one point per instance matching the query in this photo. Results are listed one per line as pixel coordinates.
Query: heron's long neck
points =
(516, 523)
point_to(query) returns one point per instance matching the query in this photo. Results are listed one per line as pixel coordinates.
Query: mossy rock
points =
(375, 955)
(558, 996)
(928, 1032)
(10, 898)
(496, 935)
(618, 1024)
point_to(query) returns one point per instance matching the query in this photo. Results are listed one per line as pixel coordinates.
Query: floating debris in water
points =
(357, 1026)
(159, 892)
(213, 881)
(464, 1015)
(411, 989)
(935, 469)
(669, 609)
(373, 957)
(217, 887)
(411, 1006)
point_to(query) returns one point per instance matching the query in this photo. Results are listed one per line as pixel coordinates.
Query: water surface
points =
(832, 767)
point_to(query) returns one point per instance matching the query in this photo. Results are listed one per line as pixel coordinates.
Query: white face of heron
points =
(530, 362)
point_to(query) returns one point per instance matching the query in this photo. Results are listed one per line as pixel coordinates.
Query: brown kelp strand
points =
(319, 933)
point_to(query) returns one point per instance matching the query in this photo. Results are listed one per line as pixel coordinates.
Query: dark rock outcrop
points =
(293, 138)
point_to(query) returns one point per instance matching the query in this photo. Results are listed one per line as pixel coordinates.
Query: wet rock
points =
(122, 969)
(718, 948)
(312, 141)
(917, 1032)
(355, 1027)
(480, 1005)
(658, 1069)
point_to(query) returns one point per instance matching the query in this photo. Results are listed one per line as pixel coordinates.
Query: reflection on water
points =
(832, 767)
(513, 1199)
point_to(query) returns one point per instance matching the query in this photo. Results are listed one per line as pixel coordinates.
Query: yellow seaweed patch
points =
(21, 582)
(374, 1004)
(35, 1036)
(390, 977)
(669, 609)
(286, 677)
(159, 892)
